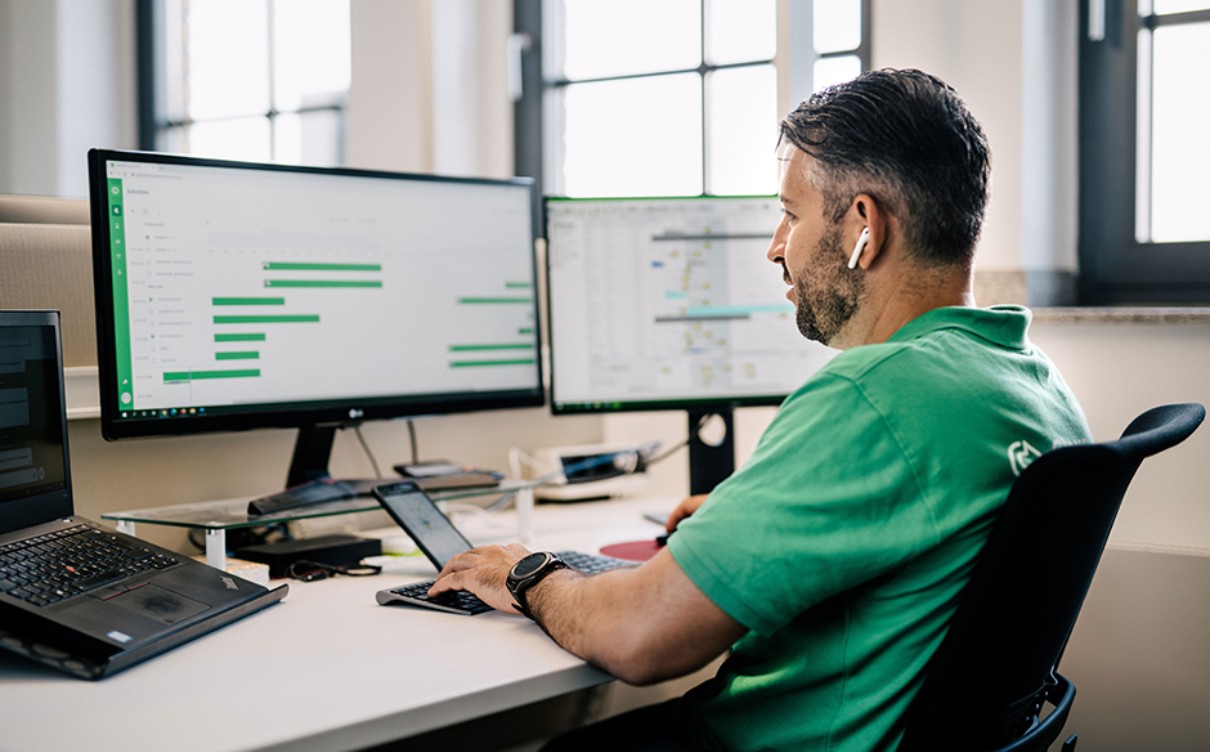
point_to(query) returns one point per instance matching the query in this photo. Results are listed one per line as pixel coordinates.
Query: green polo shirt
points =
(844, 541)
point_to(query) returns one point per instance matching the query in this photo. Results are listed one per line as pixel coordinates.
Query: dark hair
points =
(906, 138)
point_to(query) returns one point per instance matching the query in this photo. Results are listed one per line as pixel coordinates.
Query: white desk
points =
(326, 669)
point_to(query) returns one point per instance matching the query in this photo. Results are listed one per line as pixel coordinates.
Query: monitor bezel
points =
(713, 404)
(333, 412)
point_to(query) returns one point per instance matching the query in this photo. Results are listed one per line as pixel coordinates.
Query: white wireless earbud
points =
(857, 249)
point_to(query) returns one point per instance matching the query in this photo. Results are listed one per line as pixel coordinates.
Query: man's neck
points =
(900, 298)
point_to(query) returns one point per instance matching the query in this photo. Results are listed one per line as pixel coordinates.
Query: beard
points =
(828, 291)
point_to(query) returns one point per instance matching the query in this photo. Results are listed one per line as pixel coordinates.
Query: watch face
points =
(529, 565)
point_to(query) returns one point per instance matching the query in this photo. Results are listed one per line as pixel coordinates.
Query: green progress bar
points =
(251, 337)
(323, 283)
(293, 266)
(238, 355)
(518, 285)
(476, 363)
(196, 375)
(492, 301)
(305, 318)
(248, 301)
(473, 348)
(525, 331)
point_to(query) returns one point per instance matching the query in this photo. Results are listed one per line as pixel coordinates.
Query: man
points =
(830, 563)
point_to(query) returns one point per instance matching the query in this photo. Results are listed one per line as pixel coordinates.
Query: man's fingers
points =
(445, 582)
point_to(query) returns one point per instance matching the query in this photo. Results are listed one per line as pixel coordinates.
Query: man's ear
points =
(863, 214)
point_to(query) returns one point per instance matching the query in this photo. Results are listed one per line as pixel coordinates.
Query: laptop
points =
(75, 595)
(414, 511)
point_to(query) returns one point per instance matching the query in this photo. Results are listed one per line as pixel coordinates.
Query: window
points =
(1144, 158)
(670, 97)
(261, 80)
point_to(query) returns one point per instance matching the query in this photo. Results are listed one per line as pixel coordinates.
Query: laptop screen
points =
(32, 431)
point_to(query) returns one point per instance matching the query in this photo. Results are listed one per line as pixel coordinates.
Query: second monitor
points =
(670, 303)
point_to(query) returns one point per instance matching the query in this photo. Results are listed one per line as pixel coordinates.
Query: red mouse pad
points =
(640, 550)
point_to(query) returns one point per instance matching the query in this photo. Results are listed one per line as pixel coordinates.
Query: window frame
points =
(1115, 268)
(531, 86)
(152, 119)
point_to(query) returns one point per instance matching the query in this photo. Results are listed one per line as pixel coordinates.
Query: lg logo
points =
(355, 414)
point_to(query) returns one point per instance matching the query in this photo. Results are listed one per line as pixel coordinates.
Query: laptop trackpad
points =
(159, 604)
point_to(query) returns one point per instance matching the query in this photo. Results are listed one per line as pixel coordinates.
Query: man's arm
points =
(642, 625)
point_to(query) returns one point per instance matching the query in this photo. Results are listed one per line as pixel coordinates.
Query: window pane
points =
(1160, 7)
(742, 128)
(312, 138)
(739, 31)
(592, 39)
(836, 70)
(311, 53)
(1180, 152)
(172, 96)
(228, 68)
(837, 25)
(246, 138)
(641, 137)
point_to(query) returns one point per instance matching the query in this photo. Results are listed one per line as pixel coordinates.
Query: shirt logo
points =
(1021, 455)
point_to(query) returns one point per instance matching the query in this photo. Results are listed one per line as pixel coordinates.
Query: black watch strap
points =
(529, 572)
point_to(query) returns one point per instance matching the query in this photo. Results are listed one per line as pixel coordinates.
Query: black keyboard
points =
(49, 568)
(464, 602)
(453, 601)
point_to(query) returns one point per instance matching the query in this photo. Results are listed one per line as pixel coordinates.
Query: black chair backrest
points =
(1018, 610)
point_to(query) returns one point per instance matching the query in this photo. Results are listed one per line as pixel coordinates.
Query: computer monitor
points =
(234, 295)
(670, 303)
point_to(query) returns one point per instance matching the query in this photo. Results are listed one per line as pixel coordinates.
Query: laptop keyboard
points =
(464, 602)
(49, 568)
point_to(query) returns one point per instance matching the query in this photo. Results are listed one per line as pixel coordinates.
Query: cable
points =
(677, 447)
(667, 453)
(369, 453)
(310, 571)
(412, 438)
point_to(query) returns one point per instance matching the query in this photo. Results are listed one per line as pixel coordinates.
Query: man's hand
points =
(642, 624)
(685, 509)
(484, 572)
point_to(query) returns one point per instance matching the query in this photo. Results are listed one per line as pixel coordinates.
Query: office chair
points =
(996, 668)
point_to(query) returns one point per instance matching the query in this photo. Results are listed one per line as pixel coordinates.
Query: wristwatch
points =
(529, 572)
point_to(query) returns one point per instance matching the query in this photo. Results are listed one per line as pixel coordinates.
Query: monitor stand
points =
(710, 463)
(312, 449)
(309, 464)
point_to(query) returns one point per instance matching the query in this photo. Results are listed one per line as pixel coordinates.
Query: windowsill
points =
(1122, 315)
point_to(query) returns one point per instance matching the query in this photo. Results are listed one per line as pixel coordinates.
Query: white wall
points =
(67, 83)
(974, 46)
(429, 88)
(1118, 370)
(389, 115)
